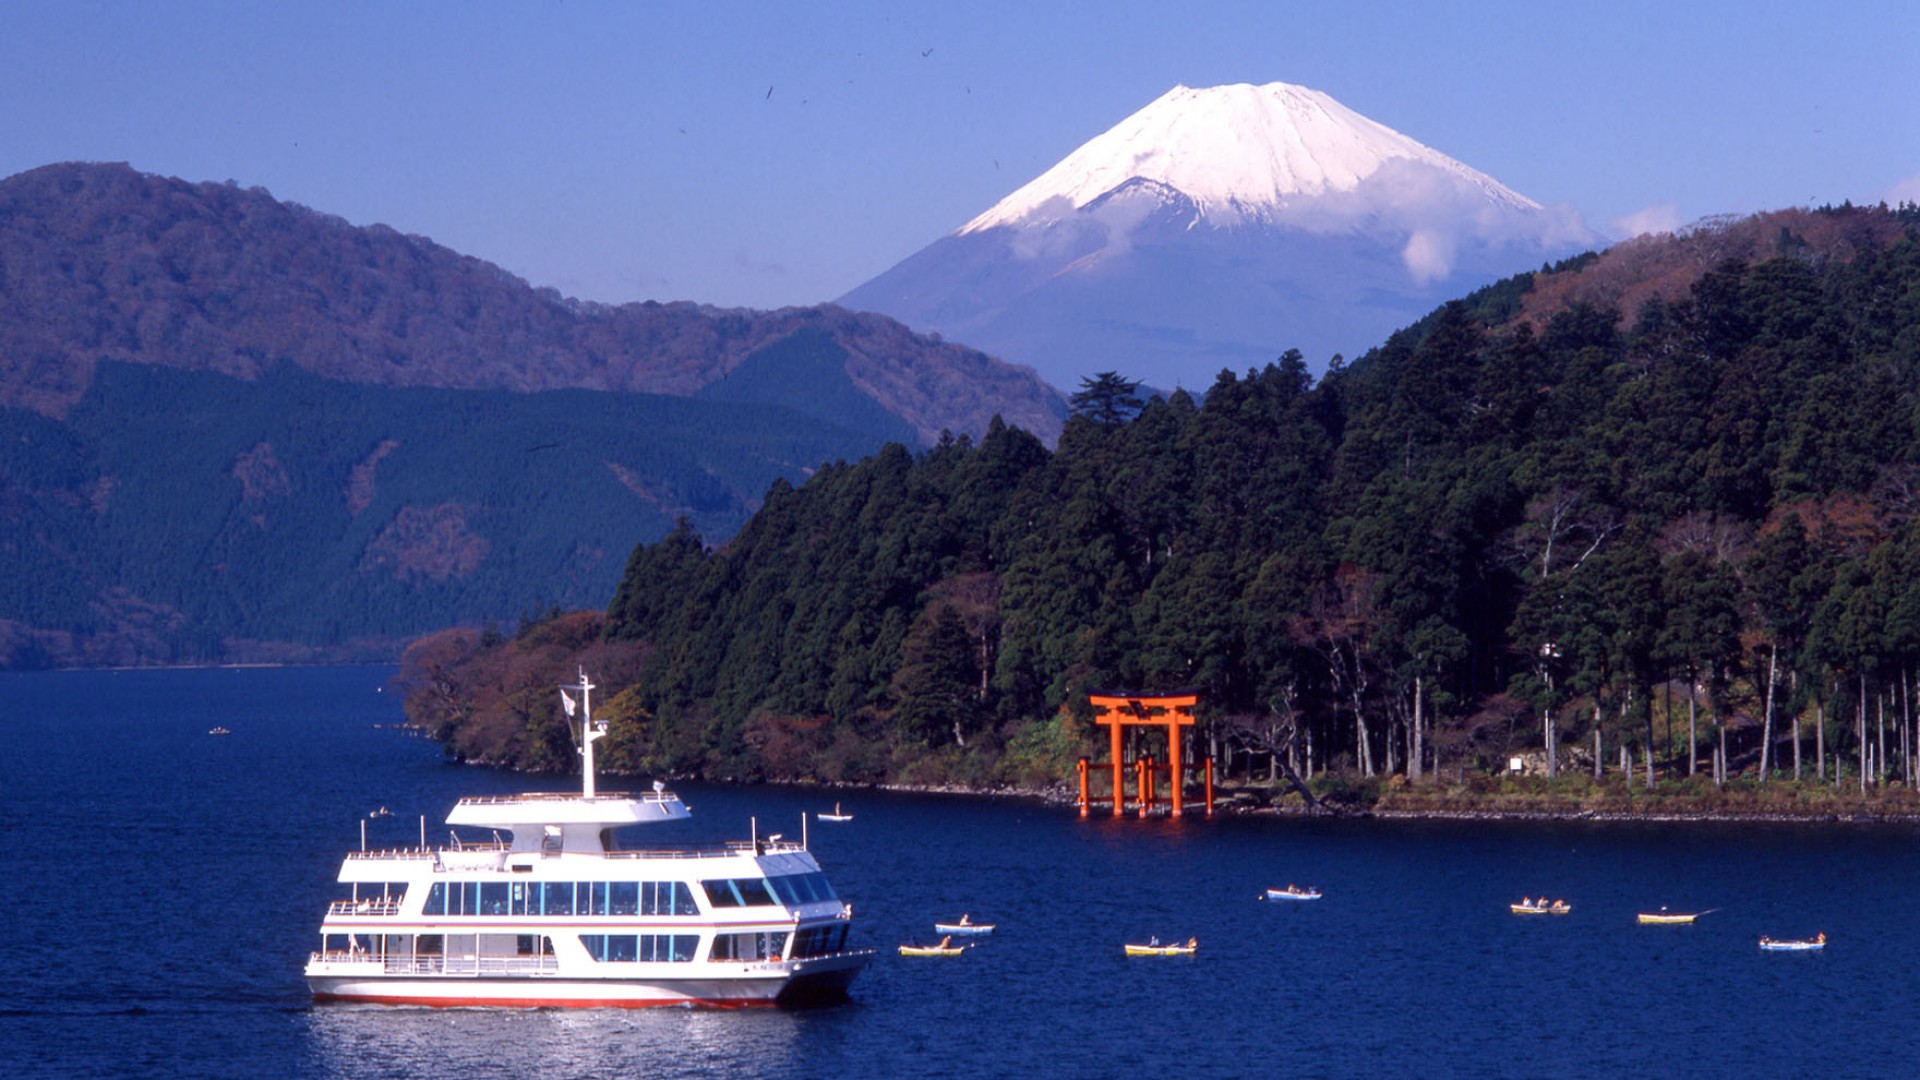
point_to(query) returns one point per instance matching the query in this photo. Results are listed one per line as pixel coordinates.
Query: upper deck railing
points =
(364, 907)
(691, 850)
(568, 796)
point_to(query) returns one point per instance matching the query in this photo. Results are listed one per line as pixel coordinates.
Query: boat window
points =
(595, 902)
(675, 948)
(493, 898)
(666, 898)
(624, 898)
(556, 898)
(820, 940)
(518, 902)
(753, 892)
(783, 888)
(453, 898)
(624, 948)
(822, 886)
(429, 944)
(721, 893)
(760, 946)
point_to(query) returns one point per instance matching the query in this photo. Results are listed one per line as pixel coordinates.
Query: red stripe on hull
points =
(441, 1001)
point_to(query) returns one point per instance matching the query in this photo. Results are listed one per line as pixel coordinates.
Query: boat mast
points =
(589, 731)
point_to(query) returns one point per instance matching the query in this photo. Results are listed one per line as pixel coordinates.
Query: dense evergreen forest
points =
(1672, 540)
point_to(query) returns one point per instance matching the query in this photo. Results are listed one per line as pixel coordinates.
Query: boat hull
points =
(1666, 920)
(973, 929)
(1791, 946)
(821, 981)
(1282, 894)
(1159, 950)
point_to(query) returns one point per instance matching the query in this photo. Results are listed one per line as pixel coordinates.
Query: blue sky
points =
(765, 154)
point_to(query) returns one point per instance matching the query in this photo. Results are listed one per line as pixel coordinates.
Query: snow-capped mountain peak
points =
(1237, 153)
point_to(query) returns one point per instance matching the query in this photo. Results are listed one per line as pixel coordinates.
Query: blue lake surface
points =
(165, 886)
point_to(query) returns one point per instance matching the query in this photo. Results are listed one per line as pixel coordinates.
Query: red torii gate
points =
(1172, 711)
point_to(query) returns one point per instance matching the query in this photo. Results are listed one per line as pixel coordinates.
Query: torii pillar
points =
(1175, 711)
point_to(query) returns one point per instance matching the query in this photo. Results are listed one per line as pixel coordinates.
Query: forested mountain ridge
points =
(235, 429)
(100, 262)
(1692, 532)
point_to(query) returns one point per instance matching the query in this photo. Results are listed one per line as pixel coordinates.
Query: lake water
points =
(164, 888)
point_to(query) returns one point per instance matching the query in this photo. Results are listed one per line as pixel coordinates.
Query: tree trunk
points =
(1766, 726)
(1820, 739)
(1860, 728)
(1414, 759)
(1880, 750)
(1546, 741)
(1596, 739)
(1693, 738)
(1720, 723)
(1650, 753)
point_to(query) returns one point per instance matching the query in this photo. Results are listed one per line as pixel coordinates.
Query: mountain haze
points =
(1216, 228)
(232, 428)
(102, 262)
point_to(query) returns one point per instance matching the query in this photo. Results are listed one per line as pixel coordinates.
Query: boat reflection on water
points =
(381, 1040)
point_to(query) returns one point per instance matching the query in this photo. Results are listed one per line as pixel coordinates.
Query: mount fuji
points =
(1215, 229)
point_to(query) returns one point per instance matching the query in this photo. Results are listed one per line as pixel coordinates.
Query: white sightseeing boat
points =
(561, 915)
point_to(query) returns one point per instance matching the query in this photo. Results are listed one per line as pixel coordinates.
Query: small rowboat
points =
(964, 926)
(945, 948)
(1540, 907)
(1663, 917)
(1291, 892)
(1154, 948)
(1818, 941)
(835, 816)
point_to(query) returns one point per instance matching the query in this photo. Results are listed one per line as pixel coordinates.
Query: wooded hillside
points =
(1692, 533)
(102, 263)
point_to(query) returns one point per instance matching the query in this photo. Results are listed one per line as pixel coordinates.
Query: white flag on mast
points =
(566, 702)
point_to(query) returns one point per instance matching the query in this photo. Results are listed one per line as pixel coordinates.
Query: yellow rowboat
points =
(1154, 948)
(1667, 918)
(945, 948)
(1540, 907)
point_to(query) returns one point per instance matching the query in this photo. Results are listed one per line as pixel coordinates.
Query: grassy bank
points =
(1584, 797)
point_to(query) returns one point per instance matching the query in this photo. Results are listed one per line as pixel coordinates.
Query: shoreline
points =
(1260, 802)
(1064, 799)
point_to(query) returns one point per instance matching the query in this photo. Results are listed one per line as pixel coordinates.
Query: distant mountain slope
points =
(180, 516)
(232, 428)
(99, 262)
(1216, 228)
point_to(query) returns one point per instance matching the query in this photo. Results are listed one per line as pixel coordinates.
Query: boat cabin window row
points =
(625, 948)
(560, 898)
(765, 945)
(792, 890)
(819, 941)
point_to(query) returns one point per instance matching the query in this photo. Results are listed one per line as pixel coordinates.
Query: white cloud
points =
(1906, 191)
(1428, 255)
(1658, 218)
